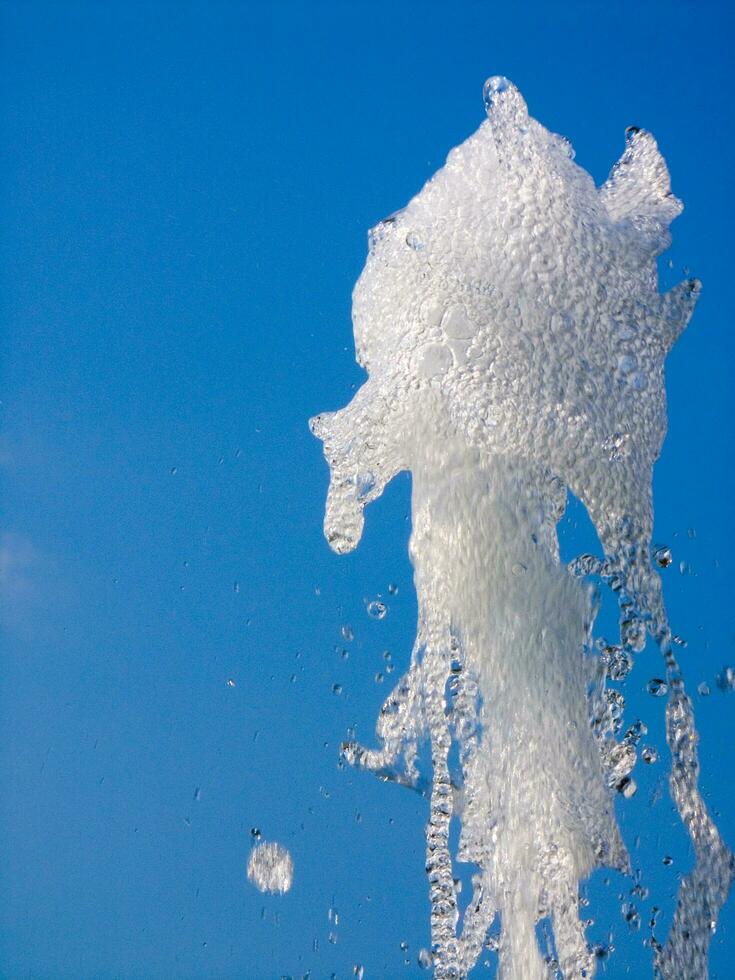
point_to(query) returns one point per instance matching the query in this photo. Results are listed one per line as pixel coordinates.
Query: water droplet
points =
(566, 145)
(393, 589)
(631, 916)
(197, 793)
(255, 833)
(601, 951)
(657, 687)
(359, 971)
(336, 688)
(703, 689)
(663, 557)
(425, 959)
(636, 731)
(633, 633)
(726, 679)
(230, 681)
(617, 661)
(494, 87)
(649, 754)
(667, 860)
(616, 706)
(627, 787)
(270, 868)
(174, 470)
(347, 633)
(376, 609)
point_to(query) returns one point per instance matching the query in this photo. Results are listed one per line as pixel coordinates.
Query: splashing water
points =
(511, 326)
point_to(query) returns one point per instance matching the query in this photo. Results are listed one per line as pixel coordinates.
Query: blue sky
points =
(185, 191)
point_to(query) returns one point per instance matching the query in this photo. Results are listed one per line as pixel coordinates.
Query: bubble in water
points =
(270, 868)
(658, 687)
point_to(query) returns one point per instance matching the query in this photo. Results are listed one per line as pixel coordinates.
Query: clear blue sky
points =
(185, 193)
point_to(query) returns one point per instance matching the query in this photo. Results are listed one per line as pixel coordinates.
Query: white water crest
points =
(514, 336)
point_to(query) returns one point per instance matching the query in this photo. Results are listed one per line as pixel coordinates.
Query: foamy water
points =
(514, 336)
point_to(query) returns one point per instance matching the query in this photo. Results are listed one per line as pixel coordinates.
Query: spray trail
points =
(514, 336)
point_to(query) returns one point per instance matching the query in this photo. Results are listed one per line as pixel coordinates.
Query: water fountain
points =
(514, 337)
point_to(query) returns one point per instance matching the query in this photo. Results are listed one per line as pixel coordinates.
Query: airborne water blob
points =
(513, 333)
(270, 867)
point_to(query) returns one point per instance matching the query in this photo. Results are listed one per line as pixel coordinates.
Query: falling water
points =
(514, 336)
